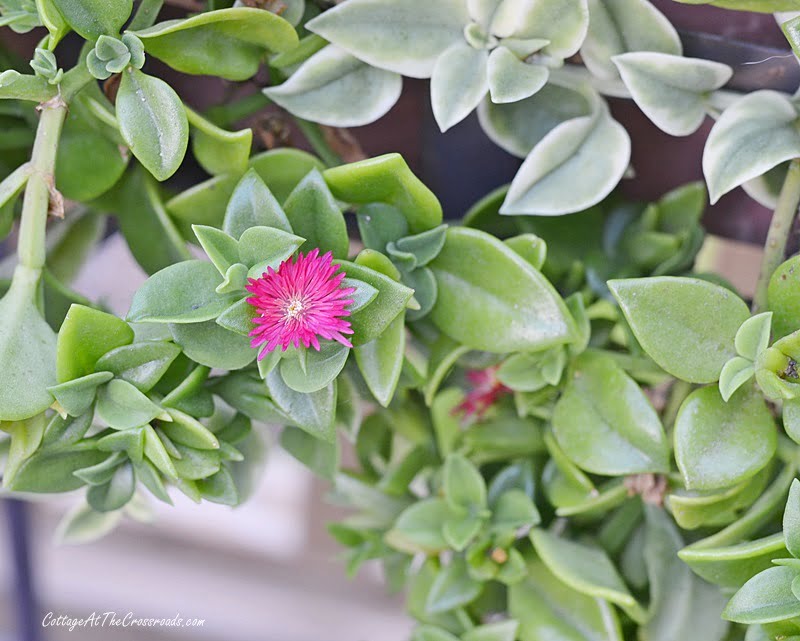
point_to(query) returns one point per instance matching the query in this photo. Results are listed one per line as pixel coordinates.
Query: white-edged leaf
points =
(511, 79)
(622, 26)
(574, 166)
(563, 22)
(405, 37)
(752, 136)
(517, 127)
(458, 84)
(334, 88)
(671, 90)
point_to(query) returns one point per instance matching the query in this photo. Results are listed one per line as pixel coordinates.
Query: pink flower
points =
(485, 392)
(299, 304)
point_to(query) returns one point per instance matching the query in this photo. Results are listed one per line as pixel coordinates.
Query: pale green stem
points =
(778, 235)
(36, 203)
(146, 14)
(316, 139)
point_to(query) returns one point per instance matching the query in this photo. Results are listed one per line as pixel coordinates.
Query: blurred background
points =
(268, 571)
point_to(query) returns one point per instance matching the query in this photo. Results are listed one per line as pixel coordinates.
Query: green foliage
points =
(575, 434)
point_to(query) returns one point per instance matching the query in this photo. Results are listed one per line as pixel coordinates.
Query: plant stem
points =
(778, 235)
(36, 203)
(146, 14)
(75, 80)
(316, 139)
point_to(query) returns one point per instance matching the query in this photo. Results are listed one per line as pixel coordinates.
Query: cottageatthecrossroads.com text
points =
(116, 620)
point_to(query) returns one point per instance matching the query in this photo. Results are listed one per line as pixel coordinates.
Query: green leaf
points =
(336, 89)
(153, 122)
(381, 361)
(512, 79)
(260, 247)
(458, 531)
(321, 367)
(53, 471)
(88, 162)
(734, 374)
(363, 296)
(562, 22)
(458, 84)
(419, 528)
(373, 320)
(219, 151)
(222, 249)
(424, 247)
(719, 444)
(321, 457)
(181, 293)
(93, 18)
(519, 126)
(386, 179)
(791, 520)
(148, 475)
(596, 148)
(192, 464)
(752, 338)
(121, 406)
(452, 588)
(499, 631)
(791, 419)
(782, 297)
(671, 90)
(314, 215)
(621, 26)
(229, 43)
(205, 203)
(380, 224)
(26, 437)
(115, 493)
(63, 432)
(765, 598)
(220, 488)
(495, 289)
(132, 442)
(238, 317)
(141, 364)
(681, 605)
(464, 487)
(314, 412)
(82, 524)
(585, 569)
(512, 511)
(547, 607)
(85, 336)
(186, 430)
(253, 205)
(426, 291)
(209, 344)
(27, 350)
(406, 38)
(77, 395)
(155, 451)
(686, 325)
(755, 134)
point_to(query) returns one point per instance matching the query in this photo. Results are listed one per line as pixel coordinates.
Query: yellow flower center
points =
(294, 308)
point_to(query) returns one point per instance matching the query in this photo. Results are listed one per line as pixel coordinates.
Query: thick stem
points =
(36, 203)
(778, 235)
